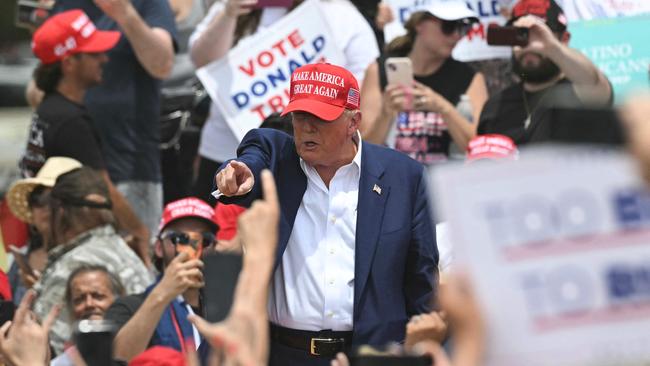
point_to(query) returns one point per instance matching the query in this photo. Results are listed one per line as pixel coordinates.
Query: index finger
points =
(23, 308)
(268, 187)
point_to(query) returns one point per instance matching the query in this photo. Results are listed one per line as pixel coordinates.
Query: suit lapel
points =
(373, 194)
(291, 186)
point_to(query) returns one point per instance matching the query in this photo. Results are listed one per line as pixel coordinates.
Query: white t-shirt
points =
(350, 30)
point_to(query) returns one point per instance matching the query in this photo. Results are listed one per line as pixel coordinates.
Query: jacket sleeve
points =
(260, 149)
(421, 279)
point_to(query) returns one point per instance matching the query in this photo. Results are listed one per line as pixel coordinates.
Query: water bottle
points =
(464, 107)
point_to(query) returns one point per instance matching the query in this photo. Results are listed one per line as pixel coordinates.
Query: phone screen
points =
(94, 341)
(220, 273)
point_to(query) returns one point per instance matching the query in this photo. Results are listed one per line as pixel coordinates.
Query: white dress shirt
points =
(313, 287)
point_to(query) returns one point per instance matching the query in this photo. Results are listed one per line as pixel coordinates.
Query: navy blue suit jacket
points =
(396, 257)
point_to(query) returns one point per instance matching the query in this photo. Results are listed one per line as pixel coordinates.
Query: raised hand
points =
(181, 274)
(540, 37)
(236, 8)
(236, 179)
(24, 341)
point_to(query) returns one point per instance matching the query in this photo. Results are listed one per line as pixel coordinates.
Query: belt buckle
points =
(312, 344)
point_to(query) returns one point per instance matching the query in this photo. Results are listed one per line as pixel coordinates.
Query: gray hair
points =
(116, 286)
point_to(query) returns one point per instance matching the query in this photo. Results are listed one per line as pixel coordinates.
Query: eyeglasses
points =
(191, 238)
(462, 27)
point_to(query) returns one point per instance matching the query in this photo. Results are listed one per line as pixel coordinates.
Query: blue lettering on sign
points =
(259, 88)
(632, 208)
(627, 282)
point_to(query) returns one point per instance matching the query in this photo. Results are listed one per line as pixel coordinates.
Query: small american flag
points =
(353, 97)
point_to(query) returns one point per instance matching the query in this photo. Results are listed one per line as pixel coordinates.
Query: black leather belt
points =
(324, 343)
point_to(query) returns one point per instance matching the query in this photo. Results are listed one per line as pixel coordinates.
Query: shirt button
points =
(331, 250)
(333, 219)
(332, 282)
(330, 314)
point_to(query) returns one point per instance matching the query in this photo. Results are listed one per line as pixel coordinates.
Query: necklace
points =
(529, 111)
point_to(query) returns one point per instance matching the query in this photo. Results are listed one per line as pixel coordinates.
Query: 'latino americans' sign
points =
(471, 48)
(252, 80)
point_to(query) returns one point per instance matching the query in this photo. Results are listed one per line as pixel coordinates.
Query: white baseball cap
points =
(450, 10)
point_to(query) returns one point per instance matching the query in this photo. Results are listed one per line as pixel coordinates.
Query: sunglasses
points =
(191, 238)
(461, 27)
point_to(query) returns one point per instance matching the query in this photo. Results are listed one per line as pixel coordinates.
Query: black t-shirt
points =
(125, 107)
(61, 127)
(424, 136)
(508, 112)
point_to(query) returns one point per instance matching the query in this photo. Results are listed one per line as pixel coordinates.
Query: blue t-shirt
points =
(125, 108)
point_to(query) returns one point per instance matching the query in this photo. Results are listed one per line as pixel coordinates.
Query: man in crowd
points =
(125, 108)
(552, 75)
(90, 290)
(72, 53)
(158, 316)
(357, 254)
(81, 224)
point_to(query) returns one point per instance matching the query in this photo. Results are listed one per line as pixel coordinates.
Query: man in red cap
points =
(72, 53)
(356, 253)
(551, 73)
(158, 316)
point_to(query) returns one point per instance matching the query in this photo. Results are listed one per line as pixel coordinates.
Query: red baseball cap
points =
(159, 356)
(69, 33)
(187, 207)
(492, 146)
(323, 90)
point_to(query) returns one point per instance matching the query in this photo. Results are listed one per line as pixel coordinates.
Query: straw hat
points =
(19, 191)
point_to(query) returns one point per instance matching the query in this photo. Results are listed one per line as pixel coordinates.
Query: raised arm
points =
(589, 83)
(153, 46)
(180, 275)
(215, 35)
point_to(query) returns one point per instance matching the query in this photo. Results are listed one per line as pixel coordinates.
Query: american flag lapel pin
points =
(377, 189)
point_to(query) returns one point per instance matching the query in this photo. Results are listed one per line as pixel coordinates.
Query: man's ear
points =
(157, 249)
(355, 122)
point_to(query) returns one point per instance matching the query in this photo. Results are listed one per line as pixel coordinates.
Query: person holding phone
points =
(158, 316)
(551, 75)
(422, 117)
(232, 22)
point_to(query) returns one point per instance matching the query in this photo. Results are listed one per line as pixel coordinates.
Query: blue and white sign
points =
(558, 247)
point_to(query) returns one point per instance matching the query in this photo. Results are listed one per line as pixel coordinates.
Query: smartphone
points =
(94, 341)
(21, 260)
(31, 14)
(220, 273)
(399, 70)
(507, 36)
(386, 360)
(7, 311)
(275, 3)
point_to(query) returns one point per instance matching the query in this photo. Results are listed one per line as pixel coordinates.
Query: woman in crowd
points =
(233, 22)
(422, 119)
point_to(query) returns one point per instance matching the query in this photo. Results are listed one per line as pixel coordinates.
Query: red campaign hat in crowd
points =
(158, 356)
(187, 207)
(69, 33)
(492, 147)
(323, 90)
(548, 10)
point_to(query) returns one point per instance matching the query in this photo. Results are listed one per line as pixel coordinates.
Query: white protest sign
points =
(557, 246)
(472, 47)
(252, 80)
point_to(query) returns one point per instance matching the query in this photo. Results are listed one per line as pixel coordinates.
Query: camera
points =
(94, 340)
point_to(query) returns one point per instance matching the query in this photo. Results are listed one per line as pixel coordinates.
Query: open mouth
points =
(310, 144)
